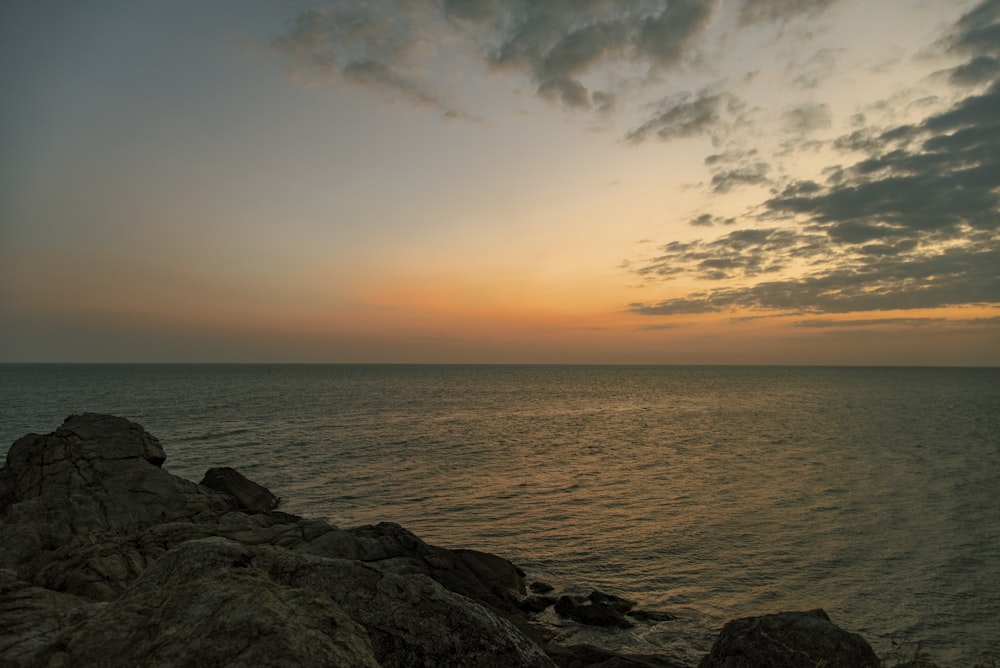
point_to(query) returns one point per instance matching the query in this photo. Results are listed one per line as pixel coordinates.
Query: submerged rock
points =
(789, 640)
(592, 613)
(541, 587)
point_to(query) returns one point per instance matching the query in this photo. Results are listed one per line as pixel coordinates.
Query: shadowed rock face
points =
(789, 640)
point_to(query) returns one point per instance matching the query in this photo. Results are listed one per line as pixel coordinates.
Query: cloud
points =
(756, 11)
(738, 254)
(710, 220)
(578, 54)
(371, 44)
(977, 31)
(956, 278)
(682, 115)
(560, 45)
(915, 223)
(825, 323)
(750, 174)
(557, 43)
(808, 118)
(820, 66)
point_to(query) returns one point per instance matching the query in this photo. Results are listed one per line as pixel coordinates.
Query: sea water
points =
(708, 492)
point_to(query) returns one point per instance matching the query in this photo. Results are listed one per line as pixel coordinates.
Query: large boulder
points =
(789, 640)
(95, 473)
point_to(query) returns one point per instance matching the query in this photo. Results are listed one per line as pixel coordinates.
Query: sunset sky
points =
(588, 181)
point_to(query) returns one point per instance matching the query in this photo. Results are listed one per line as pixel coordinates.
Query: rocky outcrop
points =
(95, 473)
(789, 640)
(108, 559)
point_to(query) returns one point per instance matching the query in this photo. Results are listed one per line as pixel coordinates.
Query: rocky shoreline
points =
(108, 559)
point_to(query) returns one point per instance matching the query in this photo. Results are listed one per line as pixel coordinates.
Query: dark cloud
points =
(913, 224)
(366, 46)
(709, 220)
(977, 34)
(557, 43)
(952, 278)
(978, 31)
(685, 306)
(575, 52)
(729, 157)
(745, 175)
(666, 36)
(755, 11)
(734, 168)
(375, 73)
(470, 10)
(682, 115)
(981, 69)
(869, 322)
(808, 118)
(739, 254)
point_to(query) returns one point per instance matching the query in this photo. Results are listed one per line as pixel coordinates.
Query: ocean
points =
(709, 492)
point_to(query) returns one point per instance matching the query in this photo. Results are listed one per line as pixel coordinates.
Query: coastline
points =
(81, 571)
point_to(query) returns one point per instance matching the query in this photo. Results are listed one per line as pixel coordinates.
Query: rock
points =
(789, 640)
(584, 656)
(485, 578)
(541, 587)
(599, 613)
(620, 604)
(537, 603)
(98, 566)
(32, 617)
(412, 620)
(249, 495)
(202, 604)
(96, 473)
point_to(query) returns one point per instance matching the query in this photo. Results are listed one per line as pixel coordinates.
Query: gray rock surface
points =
(789, 640)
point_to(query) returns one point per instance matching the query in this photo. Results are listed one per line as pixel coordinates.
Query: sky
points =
(488, 181)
